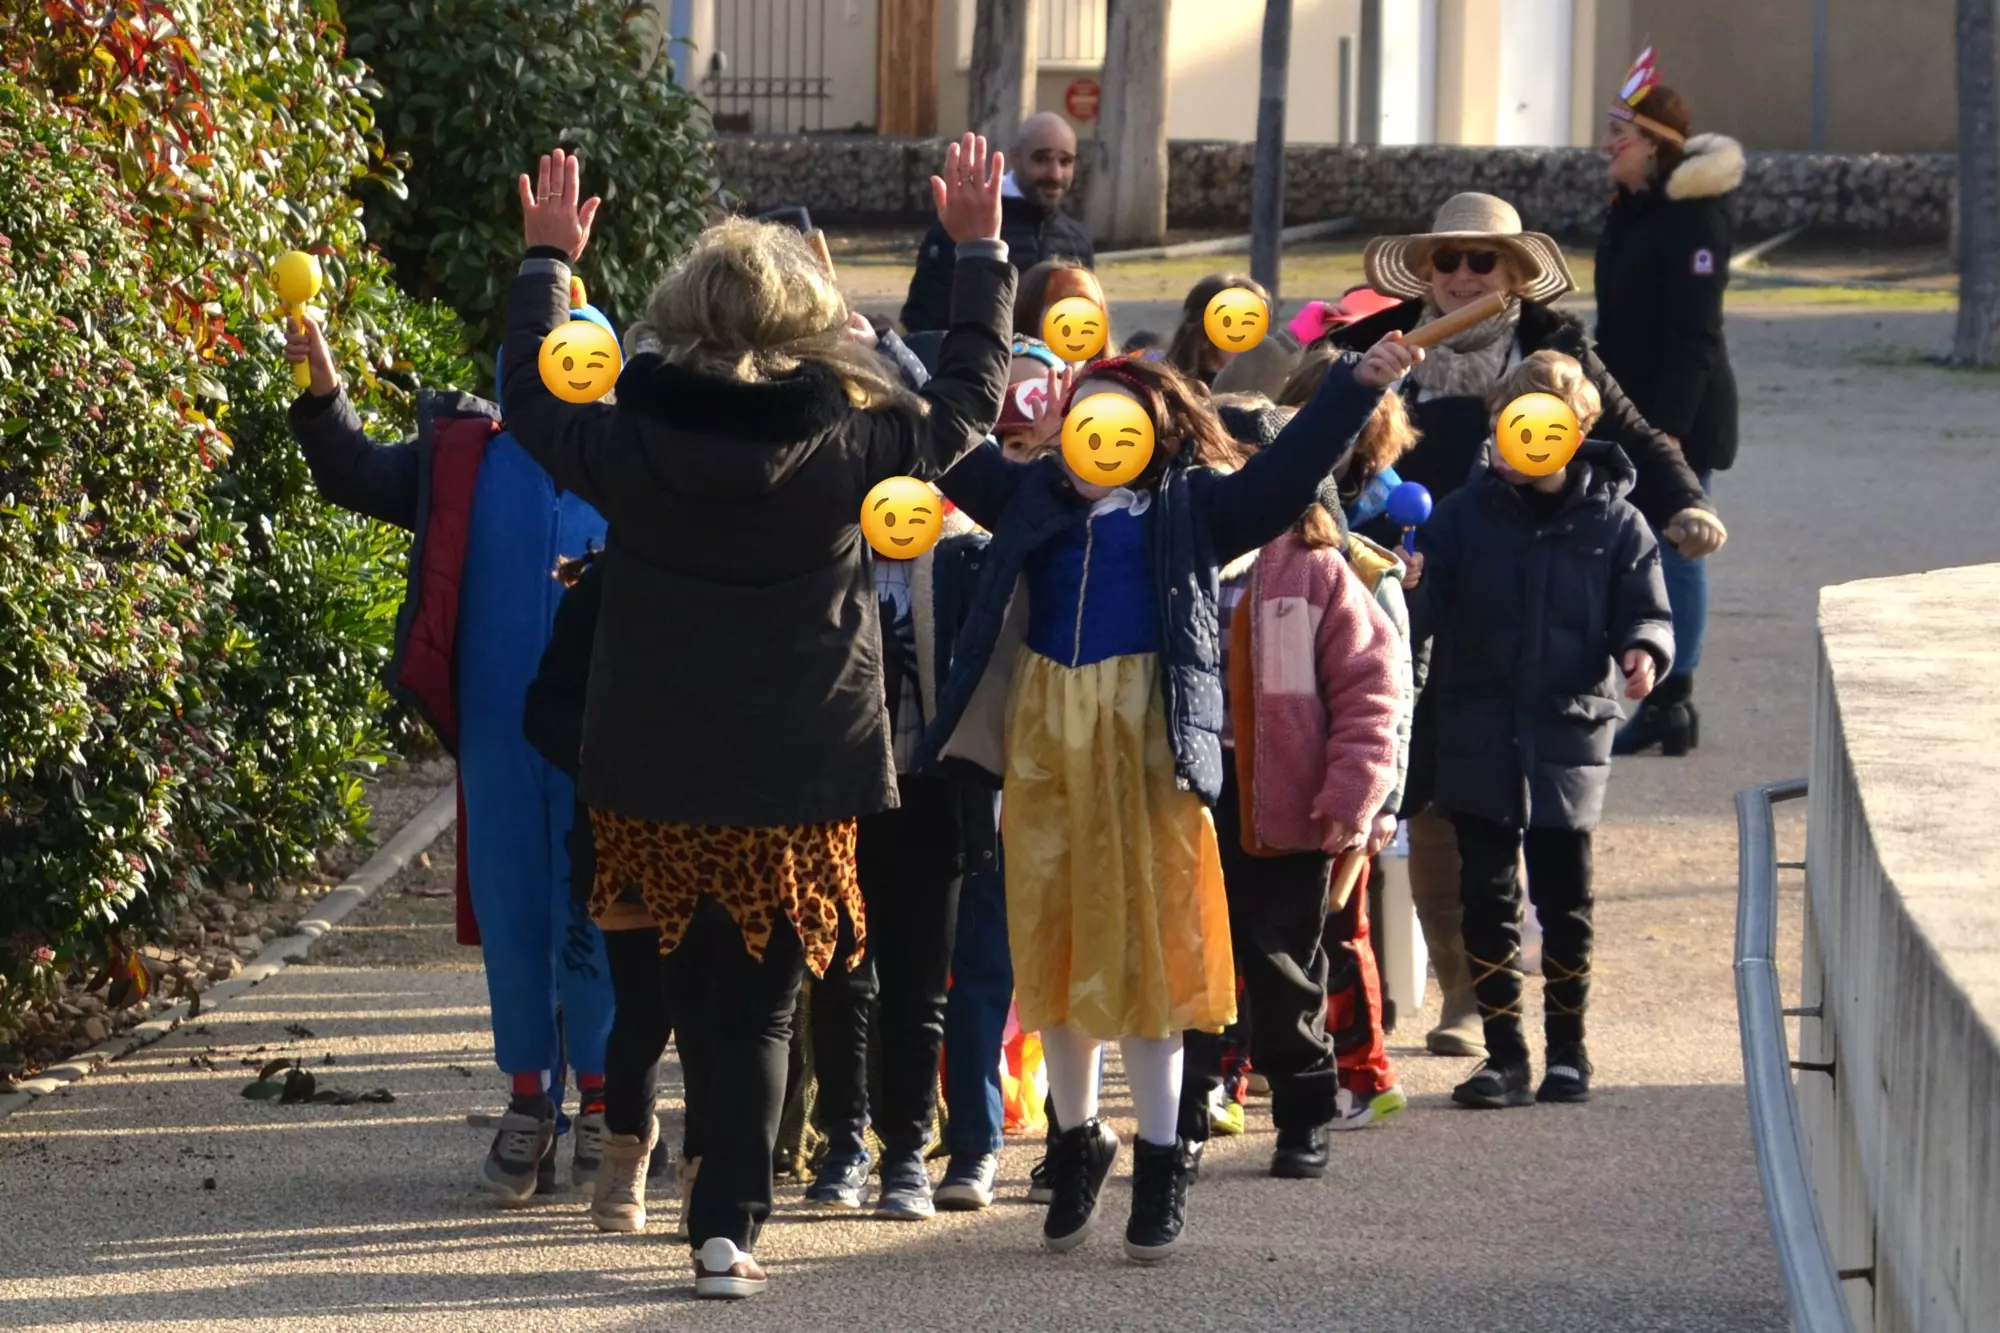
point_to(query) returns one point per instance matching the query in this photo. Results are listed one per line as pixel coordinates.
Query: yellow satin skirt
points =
(1115, 907)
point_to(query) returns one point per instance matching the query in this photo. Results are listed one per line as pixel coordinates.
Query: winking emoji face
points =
(1236, 320)
(901, 518)
(1076, 328)
(580, 361)
(1107, 439)
(1537, 434)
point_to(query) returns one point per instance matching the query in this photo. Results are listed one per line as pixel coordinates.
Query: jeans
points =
(910, 864)
(1687, 594)
(742, 1007)
(1277, 913)
(975, 1015)
(1559, 886)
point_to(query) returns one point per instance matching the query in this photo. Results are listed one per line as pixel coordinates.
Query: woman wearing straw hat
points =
(1476, 248)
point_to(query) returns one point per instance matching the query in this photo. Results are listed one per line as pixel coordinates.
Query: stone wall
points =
(1902, 949)
(879, 180)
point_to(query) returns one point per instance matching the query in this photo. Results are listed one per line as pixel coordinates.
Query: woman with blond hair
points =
(734, 730)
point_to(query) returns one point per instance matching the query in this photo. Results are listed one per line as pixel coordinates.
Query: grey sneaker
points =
(905, 1195)
(522, 1154)
(968, 1180)
(841, 1182)
(588, 1151)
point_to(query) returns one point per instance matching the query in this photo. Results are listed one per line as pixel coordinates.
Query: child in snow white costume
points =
(489, 530)
(1111, 748)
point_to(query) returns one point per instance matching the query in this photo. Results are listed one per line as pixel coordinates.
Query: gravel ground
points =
(1638, 1212)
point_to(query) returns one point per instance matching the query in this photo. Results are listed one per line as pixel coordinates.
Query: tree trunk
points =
(1978, 341)
(1001, 90)
(1267, 188)
(1128, 187)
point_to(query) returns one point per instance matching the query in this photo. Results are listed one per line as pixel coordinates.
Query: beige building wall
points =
(1746, 67)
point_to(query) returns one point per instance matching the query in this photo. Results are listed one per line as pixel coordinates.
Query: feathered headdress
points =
(1643, 78)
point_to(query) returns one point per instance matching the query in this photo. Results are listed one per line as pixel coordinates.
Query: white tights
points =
(1152, 1071)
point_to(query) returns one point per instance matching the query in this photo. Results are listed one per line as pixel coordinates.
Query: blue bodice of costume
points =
(1090, 592)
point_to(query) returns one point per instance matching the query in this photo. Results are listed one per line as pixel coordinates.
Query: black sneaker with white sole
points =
(1078, 1163)
(1159, 1201)
(1567, 1078)
(1040, 1191)
(1500, 1082)
(967, 1186)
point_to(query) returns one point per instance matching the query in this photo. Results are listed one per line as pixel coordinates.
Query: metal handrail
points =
(1811, 1281)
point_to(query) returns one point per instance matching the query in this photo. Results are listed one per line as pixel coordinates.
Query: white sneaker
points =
(724, 1273)
(1352, 1112)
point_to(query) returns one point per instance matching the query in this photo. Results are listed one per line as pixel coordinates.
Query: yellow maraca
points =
(299, 280)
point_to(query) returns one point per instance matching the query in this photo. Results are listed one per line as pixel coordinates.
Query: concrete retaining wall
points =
(1903, 948)
(872, 179)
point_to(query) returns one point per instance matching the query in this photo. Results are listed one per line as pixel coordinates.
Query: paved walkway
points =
(1637, 1212)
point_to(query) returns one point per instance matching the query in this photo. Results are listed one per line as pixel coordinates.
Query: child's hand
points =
(1639, 673)
(1387, 361)
(968, 193)
(304, 342)
(1381, 834)
(1413, 569)
(549, 211)
(1340, 837)
(1048, 415)
(862, 330)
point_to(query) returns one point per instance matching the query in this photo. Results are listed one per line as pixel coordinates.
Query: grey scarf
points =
(1469, 363)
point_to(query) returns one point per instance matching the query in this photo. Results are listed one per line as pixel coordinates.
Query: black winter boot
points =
(1667, 719)
(1078, 1162)
(1159, 1201)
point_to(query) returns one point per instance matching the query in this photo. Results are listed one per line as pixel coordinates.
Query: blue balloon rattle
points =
(1409, 506)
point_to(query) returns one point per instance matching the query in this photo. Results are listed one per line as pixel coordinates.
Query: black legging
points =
(642, 985)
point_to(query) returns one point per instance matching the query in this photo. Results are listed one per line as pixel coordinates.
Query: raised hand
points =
(968, 193)
(550, 214)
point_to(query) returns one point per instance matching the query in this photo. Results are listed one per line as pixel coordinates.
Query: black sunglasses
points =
(1480, 261)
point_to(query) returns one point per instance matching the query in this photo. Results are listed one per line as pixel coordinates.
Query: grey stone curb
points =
(272, 959)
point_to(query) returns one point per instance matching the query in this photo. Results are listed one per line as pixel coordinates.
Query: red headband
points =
(1114, 368)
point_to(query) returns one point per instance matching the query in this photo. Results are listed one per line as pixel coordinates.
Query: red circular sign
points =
(1081, 97)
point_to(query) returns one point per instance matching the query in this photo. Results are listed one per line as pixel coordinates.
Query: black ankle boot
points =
(1667, 719)
(1078, 1162)
(1159, 1201)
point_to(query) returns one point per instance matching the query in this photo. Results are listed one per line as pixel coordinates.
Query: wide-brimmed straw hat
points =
(1400, 265)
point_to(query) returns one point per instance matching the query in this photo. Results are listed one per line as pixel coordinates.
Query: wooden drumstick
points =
(1458, 321)
(817, 239)
(1350, 869)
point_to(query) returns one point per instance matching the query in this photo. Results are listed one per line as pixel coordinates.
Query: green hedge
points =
(473, 89)
(190, 641)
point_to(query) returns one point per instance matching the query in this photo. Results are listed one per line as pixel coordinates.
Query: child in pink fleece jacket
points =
(1310, 731)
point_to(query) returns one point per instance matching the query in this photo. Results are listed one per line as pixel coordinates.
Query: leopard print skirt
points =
(803, 871)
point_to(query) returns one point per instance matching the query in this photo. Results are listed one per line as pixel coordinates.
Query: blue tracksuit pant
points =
(540, 946)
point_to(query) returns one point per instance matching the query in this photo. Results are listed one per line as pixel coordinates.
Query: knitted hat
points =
(1400, 265)
(1252, 419)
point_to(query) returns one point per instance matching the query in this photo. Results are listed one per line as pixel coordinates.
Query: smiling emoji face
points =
(1076, 328)
(1236, 320)
(1107, 439)
(580, 361)
(901, 518)
(1537, 434)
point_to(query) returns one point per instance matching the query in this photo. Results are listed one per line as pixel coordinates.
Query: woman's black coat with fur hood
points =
(737, 671)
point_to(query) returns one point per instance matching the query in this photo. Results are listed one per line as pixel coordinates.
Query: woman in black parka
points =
(1662, 266)
(734, 729)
